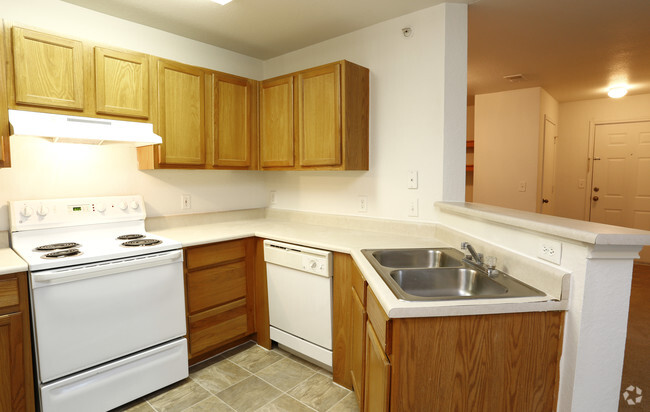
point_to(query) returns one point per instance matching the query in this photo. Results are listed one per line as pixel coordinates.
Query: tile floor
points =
(250, 378)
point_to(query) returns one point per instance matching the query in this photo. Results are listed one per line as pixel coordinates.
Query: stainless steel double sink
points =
(441, 274)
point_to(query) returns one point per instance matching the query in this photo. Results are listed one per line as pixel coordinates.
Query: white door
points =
(621, 175)
(548, 167)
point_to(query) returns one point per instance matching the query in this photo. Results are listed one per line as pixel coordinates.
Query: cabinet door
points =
(377, 376)
(48, 70)
(5, 160)
(357, 347)
(319, 116)
(12, 372)
(276, 123)
(232, 128)
(181, 95)
(121, 83)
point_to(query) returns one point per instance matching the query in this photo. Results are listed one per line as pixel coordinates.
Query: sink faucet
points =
(489, 263)
(478, 258)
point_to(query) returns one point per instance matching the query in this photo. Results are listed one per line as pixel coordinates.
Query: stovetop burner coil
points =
(62, 254)
(141, 242)
(57, 246)
(130, 236)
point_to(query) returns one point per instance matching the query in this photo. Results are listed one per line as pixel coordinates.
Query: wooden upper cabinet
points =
(277, 123)
(233, 98)
(329, 112)
(319, 116)
(181, 104)
(121, 83)
(5, 159)
(48, 70)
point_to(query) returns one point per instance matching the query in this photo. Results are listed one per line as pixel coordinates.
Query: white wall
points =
(41, 169)
(507, 131)
(573, 144)
(417, 117)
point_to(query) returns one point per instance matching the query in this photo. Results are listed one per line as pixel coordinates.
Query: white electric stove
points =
(108, 309)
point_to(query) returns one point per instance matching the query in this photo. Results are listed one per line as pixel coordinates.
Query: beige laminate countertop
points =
(10, 262)
(349, 241)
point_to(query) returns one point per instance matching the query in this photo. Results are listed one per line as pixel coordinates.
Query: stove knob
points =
(122, 205)
(42, 211)
(27, 211)
(100, 207)
(135, 205)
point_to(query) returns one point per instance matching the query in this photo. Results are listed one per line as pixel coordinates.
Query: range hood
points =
(75, 129)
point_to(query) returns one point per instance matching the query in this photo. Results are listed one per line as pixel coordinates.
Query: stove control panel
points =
(49, 213)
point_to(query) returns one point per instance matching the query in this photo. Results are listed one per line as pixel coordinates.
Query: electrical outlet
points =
(413, 208)
(550, 250)
(272, 197)
(522, 186)
(413, 179)
(363, 204)
(186, 201)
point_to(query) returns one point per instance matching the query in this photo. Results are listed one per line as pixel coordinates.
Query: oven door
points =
(91, 314)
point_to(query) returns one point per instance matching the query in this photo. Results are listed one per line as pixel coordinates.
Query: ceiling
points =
(258, 28)
(573, 49)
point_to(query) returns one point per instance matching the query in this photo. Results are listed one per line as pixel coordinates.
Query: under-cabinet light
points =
(222, 2)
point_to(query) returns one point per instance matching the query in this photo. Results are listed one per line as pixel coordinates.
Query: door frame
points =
(540, 162)
(590, 157)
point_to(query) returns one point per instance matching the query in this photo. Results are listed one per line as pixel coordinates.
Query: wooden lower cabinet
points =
(220, 295)
(376, 396)
(502, 362)
(357, 344)
(16, 379)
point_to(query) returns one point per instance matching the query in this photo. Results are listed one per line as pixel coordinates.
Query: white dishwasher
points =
(299, 283)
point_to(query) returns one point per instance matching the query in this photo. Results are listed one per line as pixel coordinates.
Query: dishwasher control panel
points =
(302, 258)
(314, 264)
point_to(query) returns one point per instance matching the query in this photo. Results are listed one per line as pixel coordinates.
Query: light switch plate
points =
(413, 179)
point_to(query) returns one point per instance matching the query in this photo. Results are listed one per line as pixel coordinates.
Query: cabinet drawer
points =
(215, 286)
(215, 327)
(216, 253)
(9, 298)
(380, 321)
(358, 282)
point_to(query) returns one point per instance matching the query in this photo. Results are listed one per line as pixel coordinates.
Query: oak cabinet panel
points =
(181, 104)
(216, 286)
(16, 383)
(377, 377)
(5, 156)
(319, 116)
(323, 122)
(233, 97)
(121, 83)
(277, 123)
(220, 295)
(48, 70)
(357, 342)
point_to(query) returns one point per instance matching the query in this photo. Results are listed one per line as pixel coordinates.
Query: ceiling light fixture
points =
(222, 2)
(617, 92)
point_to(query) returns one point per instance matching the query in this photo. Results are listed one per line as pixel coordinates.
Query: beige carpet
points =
(636, 368)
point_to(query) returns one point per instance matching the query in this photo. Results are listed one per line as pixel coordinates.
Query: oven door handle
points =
(106, 268)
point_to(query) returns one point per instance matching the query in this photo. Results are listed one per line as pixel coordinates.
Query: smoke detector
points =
(515, 78)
